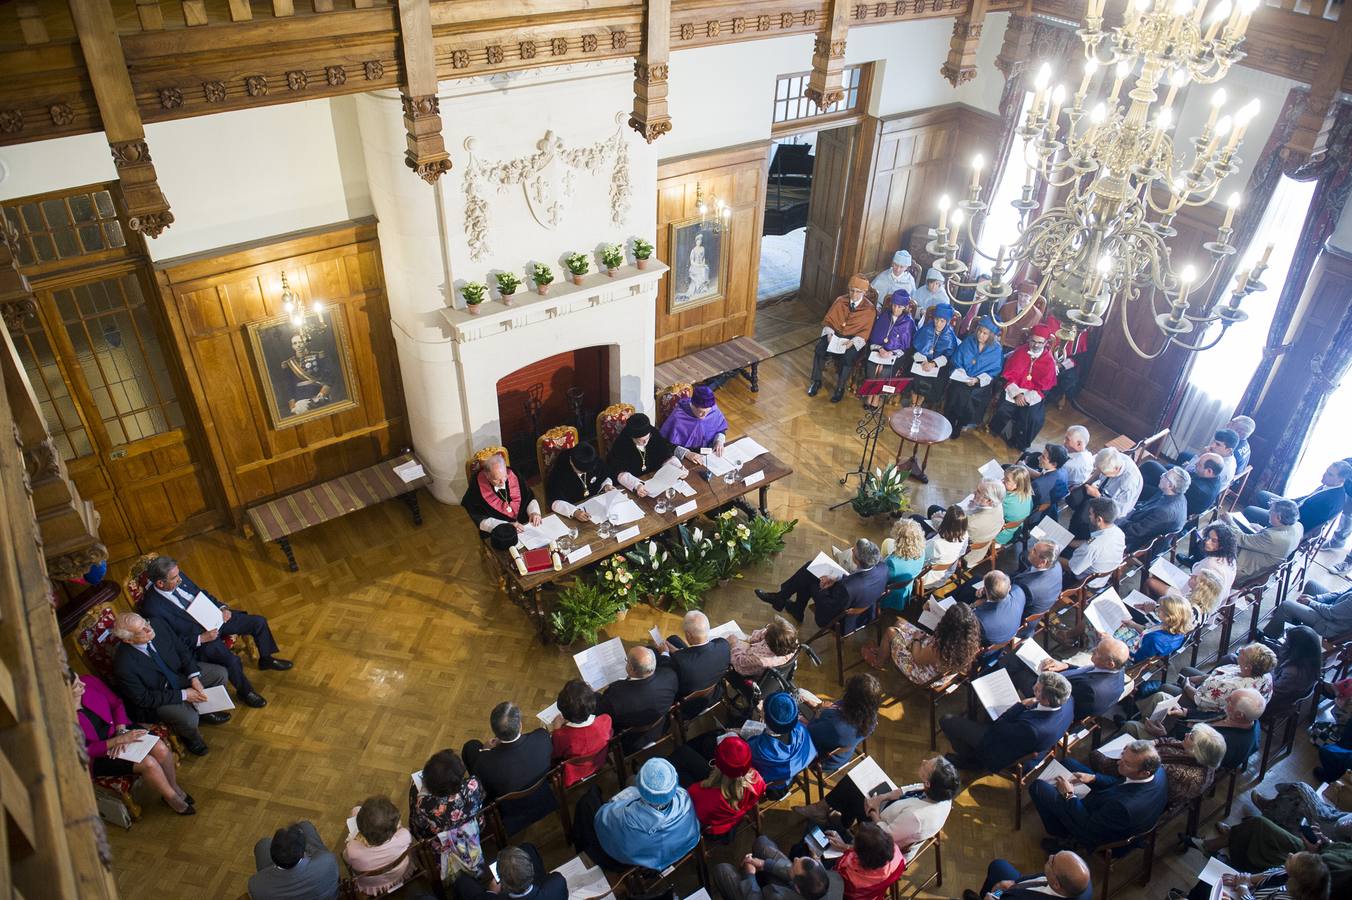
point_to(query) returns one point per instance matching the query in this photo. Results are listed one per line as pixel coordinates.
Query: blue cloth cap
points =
(900, 295)
(657, 782)
(781, 712)
(901, 258)
(943, 311)
(933, 275)
(989, 323)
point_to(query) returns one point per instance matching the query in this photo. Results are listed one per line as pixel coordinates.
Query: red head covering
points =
(733, 757)
(1043, 331)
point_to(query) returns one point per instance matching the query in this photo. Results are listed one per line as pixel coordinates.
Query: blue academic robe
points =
(635, 832)
(928, 345)
(777, 761)
(975, 360)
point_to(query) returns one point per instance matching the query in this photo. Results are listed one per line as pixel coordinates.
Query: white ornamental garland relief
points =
(546, 180)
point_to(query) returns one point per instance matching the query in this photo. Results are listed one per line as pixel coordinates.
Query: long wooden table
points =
(524, 590)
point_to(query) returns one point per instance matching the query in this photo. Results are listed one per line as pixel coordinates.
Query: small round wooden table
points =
(923, 428)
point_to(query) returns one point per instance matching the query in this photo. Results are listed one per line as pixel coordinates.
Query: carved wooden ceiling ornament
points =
(651, 117)
(828, 55)
(960, 66)
(426, 154)
(546, 179)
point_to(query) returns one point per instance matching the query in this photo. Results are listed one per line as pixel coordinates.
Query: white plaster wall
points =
(229, 178)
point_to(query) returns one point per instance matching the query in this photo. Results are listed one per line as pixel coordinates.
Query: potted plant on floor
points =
(612, 256)
(642, 250)
(542, 275)
(578, 264)
(584, 607)
(882, 491)
(507, 285)
(473, 292)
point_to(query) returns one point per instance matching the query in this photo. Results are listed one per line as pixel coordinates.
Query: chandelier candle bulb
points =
(1231, 205)
(1267, 253)
(978, 163)
(1199, 11)
(1217, 101)
(1119, 76)
(1177, 78)
(1090, 69)
(1222, 129)
(944, 203)
(1246, 8)
(1040, 82)
(1218, 17)
(1058, 98)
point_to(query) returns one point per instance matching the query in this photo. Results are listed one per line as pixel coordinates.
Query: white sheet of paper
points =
(1013, 392)
(728, 629)
(1213, 871)
(1238, 518)
(1106, 612)
(1113, 749)
(684, 489)
(1135, 599)
(751, 728)
(579, 554)
(626, 512)
(548, 714)
(700, 894)
(1032, 654)
(1162, 709)
(992, 471)
(138, 749)
(889, 389)
(754, 478)
(934, 612)
(626, 534)
(718, 465)
(416, 778)
(686, 509)
(207, 614)
(217, 700)
(551, 528)
(583, 883)
(1170, 574)
(808, 697)
(995, 692)
(823, 565)
(837, 344)
(743, 450)
(656, 634)
(352, 827)
(1054, 769)
(1052, 530)
(665, 477)
(410, 471)
(597, 507)
(867, 775)
(882, 357)
(917, 368)
(602, 664)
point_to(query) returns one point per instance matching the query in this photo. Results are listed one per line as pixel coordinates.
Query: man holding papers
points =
(1027, 726)
(643, 698)
(1163, 513)
(1116, 808)
(1271, 546)
(162, 681)
(115, 748)
(833, 590)
(1029, 373)
(1106, 546)
(199, 620)
(1094, 688)
(845, 330)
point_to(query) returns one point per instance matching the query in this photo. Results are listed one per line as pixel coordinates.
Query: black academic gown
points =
(567, 485)
(625, 457)
(479, 508)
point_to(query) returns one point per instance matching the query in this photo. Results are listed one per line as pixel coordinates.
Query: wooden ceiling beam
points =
(1313, 120)
(650, 117)
(828, 56)
(960, 66)
(147, 210)
(426, 154)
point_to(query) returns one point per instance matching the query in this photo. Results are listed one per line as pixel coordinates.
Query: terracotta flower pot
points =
(642, 263)
(577, 279)
(473, 308)
(610, 273)
(542, 288)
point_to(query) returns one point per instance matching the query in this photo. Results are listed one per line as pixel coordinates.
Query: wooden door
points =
(114, 395)
(825, 215)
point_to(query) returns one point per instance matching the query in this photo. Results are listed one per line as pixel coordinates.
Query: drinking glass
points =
(661, 504)
(733, 474)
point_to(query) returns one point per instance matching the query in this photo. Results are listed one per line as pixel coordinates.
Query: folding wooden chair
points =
(708, 706)
(565, 790)
(832, 778)
(836, 628)
(635, 758)
(1115, 851)
(914, 888)
(493, 811)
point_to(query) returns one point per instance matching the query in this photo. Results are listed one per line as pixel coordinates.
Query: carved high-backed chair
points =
(548, 446)
(669, 397)
(609, 423)
(476, 462)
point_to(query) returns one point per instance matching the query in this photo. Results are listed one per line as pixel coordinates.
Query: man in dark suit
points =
(1039, 579)
(512, 762)
(160, 681)
(699, 662)
(643, 698)
(1033, 726)
(521, 876)
(1049, 481)
(292, 864)
(1316, 507)
(1205, 489)
(1164, 512)
(1094, 688)
(767, 873)
(1116, 807)
(831, 597)
(999, 608)
(167, 600)
(1065, 875)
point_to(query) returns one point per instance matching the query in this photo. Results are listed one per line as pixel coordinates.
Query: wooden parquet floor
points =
(402, 646)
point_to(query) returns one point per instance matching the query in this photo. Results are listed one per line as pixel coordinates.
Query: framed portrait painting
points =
(304, 374)
(699, 263)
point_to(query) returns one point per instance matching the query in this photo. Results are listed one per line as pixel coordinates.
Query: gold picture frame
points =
(314, 381)
(698, 252)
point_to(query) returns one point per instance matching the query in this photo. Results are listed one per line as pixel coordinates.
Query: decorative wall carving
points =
(460, 59)
(588, 43)
(546, 178)
(786, 20)
(11, 121)
(527, 49)
(335, 75)
(713, 27)
(373, 69)
(61, 113)
(296, 80)
(738, 25)
(171, 98)
(558, 46)
(14, 313)
(494, 54)
(762, 23)
(619, 40)
(256, 85)
(130, 153)
(213, 91)
(687, 31)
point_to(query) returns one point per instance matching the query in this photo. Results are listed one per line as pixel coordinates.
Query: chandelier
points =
(1122, 180)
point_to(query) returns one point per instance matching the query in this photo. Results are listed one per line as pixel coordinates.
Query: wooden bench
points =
(277, 520)
(739, 356)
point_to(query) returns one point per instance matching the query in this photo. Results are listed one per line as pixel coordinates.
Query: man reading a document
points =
(1029, 726)
(836, 591)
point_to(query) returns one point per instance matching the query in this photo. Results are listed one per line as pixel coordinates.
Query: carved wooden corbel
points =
(650, 117)
(426, 154)
(960, 67)
(828, 57)
(1313, 121)
(147, 210)
(1018, 43)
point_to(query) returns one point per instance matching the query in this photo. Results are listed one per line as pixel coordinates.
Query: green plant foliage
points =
(578, 263)
(541, 273)
(584, 607)
(642, 249)
(882, 491)
(508, 283)
(473, 292)
(612, 255)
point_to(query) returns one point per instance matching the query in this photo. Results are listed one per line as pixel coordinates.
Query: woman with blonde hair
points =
(1018, 500)
(905, 556)
(1177, 618)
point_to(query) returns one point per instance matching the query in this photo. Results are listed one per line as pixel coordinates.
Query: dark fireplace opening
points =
(565, 389)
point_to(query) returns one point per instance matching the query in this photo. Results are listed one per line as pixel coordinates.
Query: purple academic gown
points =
(686, 430)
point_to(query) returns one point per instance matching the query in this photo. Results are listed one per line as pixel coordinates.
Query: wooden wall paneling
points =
(735, 175)
(1122, 390)
(212, 297)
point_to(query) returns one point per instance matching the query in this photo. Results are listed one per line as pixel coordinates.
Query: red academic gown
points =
(1029, 374)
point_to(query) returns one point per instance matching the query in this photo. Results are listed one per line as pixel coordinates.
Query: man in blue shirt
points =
(999, 608)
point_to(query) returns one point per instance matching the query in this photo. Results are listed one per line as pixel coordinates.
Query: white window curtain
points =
(1000, 226)
(1219, 376)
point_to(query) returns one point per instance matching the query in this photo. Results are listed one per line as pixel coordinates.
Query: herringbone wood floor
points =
(402, 646)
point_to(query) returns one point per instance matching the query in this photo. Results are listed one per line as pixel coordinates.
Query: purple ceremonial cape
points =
(683, 429)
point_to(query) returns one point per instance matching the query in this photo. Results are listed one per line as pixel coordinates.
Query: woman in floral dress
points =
(446, 807)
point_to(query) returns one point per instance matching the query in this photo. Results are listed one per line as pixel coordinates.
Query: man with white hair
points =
(832, 596)
(160, 680)
(1243, 427)
(1079, 461)
(699, 662)
(1163, 513)
(1116, 477)
(497, 496)
(1031, 726)
(985, 518)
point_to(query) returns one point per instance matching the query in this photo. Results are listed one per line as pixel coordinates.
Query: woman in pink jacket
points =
(109, 735)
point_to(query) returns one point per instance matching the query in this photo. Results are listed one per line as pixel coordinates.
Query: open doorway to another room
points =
(809, 168)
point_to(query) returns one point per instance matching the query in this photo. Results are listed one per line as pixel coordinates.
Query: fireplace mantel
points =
(564, 298)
